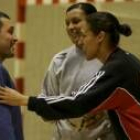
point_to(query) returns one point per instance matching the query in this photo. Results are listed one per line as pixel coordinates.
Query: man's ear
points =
(101, 36)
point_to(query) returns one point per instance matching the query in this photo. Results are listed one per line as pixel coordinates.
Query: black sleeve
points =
(88, 97)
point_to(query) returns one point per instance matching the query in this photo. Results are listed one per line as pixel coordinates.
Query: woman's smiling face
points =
(74, 23)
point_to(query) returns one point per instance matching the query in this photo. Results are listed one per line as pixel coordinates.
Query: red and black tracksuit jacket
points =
(115, 88)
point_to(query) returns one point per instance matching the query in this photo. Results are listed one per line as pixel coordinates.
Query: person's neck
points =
(105, 53)
(79, 50)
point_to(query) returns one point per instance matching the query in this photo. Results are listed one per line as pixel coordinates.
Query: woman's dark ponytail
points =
(125, 29)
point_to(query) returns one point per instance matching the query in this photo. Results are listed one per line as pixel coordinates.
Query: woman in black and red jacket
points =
(114, 88)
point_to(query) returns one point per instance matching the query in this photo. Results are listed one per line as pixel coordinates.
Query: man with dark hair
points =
(10, 117)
